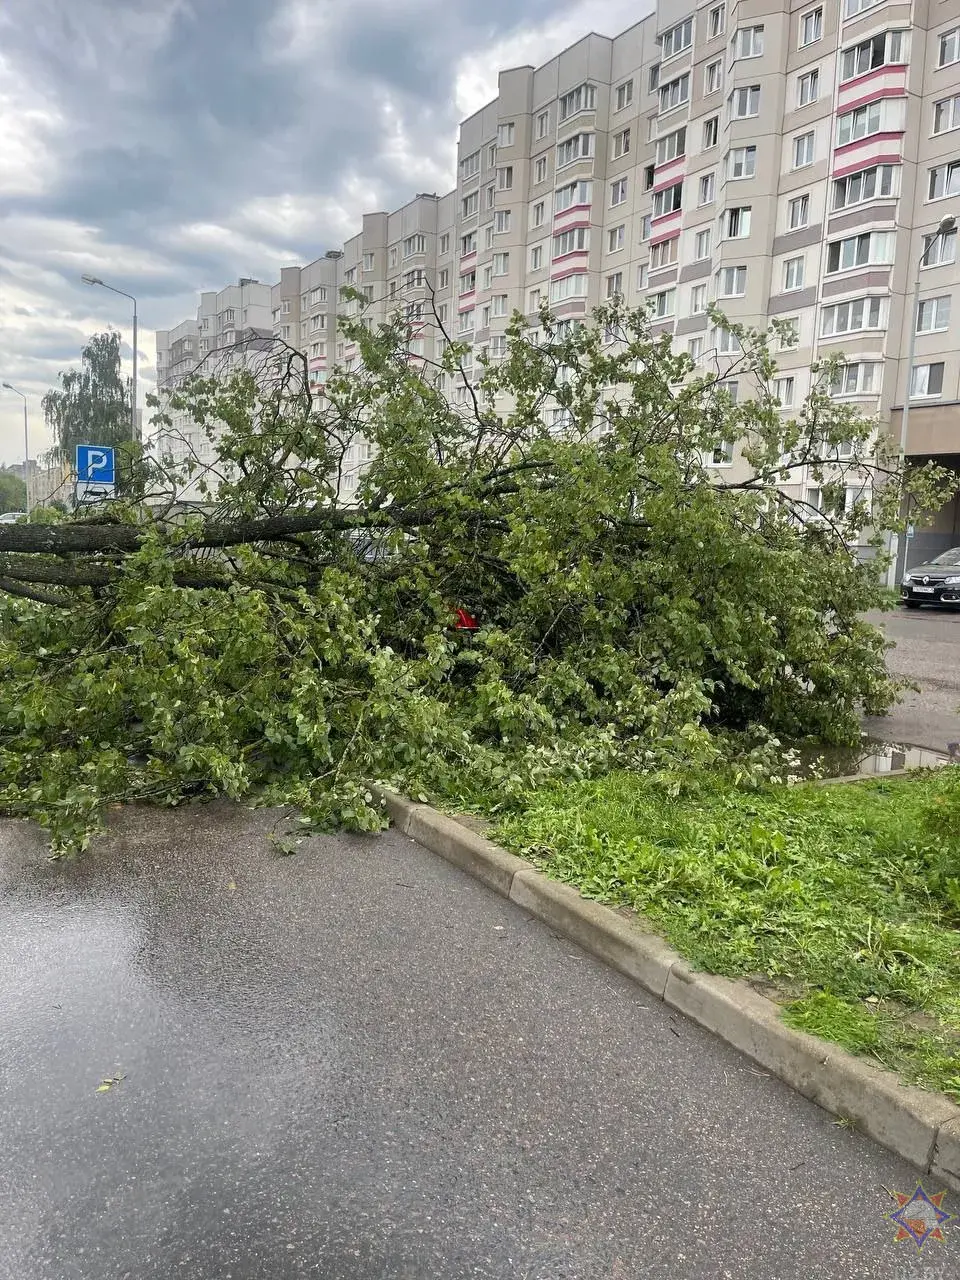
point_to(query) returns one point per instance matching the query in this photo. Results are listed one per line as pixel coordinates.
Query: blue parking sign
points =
(95, 464)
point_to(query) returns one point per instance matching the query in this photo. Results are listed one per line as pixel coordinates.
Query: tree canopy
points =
(298, 638)
(91, 405)
(13, 492)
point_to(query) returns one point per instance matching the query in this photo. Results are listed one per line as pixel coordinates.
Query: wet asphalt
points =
(926, 652)
(358, 1063)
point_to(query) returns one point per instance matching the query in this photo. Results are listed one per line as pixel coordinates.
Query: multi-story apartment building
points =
(789, 162)
(232, 327)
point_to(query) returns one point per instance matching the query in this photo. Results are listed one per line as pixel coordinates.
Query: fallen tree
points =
(296, 636)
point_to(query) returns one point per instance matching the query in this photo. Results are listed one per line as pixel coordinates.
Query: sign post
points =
(96, 471)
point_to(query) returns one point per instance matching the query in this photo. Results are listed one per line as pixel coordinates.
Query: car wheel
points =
(912, 604)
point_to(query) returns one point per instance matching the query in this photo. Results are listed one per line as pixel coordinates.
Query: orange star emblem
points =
(920, 1217)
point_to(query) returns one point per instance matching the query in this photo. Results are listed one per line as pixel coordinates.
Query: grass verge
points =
(842, 902)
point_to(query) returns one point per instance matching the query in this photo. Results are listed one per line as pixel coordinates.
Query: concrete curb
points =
(922, 1127)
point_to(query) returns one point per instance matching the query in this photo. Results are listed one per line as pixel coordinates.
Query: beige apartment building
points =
(788, 162)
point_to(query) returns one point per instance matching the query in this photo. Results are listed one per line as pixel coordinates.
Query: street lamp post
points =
(946, 225)
(26, 441)
(95, 280)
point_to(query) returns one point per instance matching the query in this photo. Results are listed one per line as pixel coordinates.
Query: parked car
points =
(936, 582)
(11, 517)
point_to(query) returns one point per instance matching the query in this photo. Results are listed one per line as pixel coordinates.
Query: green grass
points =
(845, 899)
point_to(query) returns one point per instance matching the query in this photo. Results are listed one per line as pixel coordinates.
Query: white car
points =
(11, 517)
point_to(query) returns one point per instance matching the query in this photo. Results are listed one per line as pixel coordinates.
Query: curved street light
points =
(95, 280)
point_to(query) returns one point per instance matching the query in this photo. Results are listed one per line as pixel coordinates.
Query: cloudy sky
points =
(171, 146)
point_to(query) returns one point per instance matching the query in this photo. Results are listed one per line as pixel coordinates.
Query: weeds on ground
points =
(845, 898)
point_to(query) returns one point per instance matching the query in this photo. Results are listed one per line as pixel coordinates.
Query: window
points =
(649, 176)
(933, 314)
(811, 27)
(855, 188)
(468, 283)
(368, 262)
(646, 227)
(808, 88)
(534, 299)
(722, 455)
(944, 180)
(618, 192)
(652, 127)
(540, 169)
(793, 273)
(575, 193)
(284, 307)
(318, 295)
(583, 98)
(859, 124)
(701, 245)
(574, 241)
(664, 254)
(543, 124)
(653, 81)
(949, 47)
(505, 135)
(716, 21)
(713, 76)
(470, 166)
(491, 196)
(698, 300)
(664, 303)
(491, 155)
(742, 162)
(501, 222)
(615, 284)
(798, 212)
(676, 39)
(498, 304)
(466, 322)
(443, 280)
(878, 51)
(579, 147)
(284, 334)
(470, 204)
(616, 238)
(745, 102)
(505, 178)
(468, 244)
(623, 95)
(695, 349)
(735, 223)
(711, 132)
(926, 379)
(674, 93)
(727, 342)
(445, 242)
(393, 256)
(318, 322)
(852, 317)
(621, 143)
(860, 378)
(731, 282)
(946, 114)
(568, 287)
(536, 257)
(748, 42)
(642, 276)
(872, 247)
(706, 190)
(789, 333)
(669, 200)
(501, 264)
(414, 279)
(803, 150)
(938, 249)
(783, 390)
(852, 7)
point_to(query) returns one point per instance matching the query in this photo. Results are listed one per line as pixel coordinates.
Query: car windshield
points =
(948, 557)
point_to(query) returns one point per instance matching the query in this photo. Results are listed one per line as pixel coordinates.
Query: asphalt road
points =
(358, 1063)
(927, 652)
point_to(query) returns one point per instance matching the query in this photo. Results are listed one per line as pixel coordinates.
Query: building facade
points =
(788, 162)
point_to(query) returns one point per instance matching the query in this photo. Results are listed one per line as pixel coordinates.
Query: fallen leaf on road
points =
(107, 1083)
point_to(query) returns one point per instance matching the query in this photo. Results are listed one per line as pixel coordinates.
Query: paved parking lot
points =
(927, 651)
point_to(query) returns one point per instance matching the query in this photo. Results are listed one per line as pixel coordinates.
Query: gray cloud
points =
(164, 143)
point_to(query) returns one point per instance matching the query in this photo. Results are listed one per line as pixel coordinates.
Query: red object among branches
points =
(466, 621)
